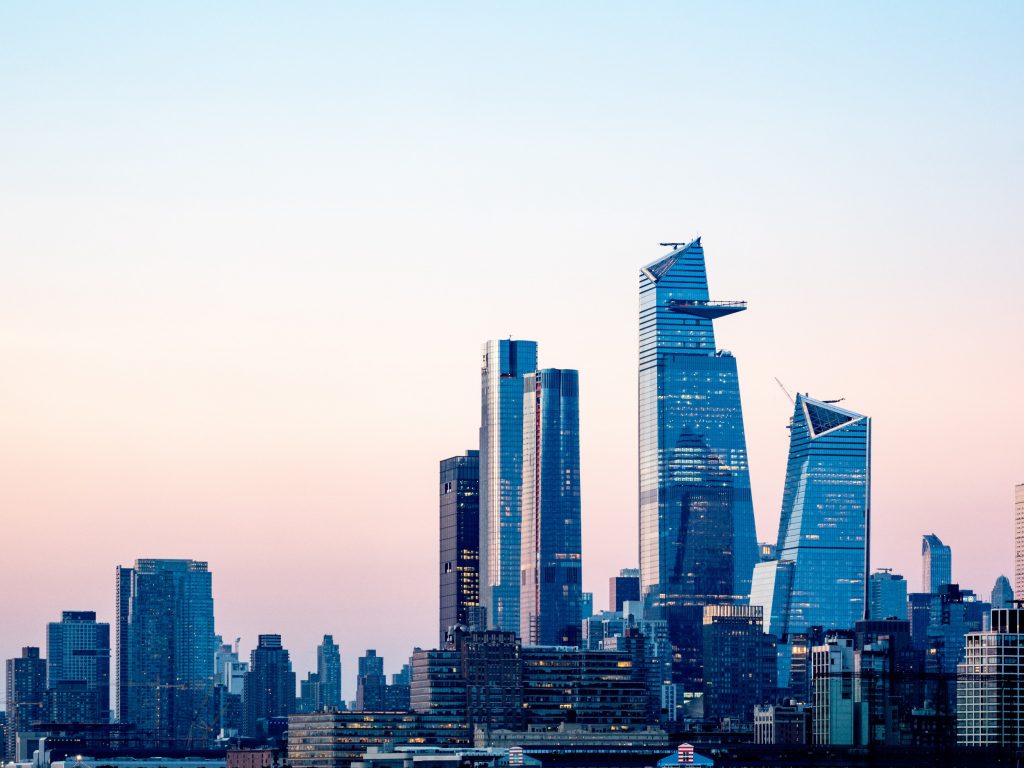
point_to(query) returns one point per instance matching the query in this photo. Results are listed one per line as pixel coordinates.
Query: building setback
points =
(269, 685)
(78, 669)
(697, 538)
(551, 551)
(505, 364)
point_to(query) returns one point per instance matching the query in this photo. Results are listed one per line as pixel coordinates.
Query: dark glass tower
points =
(370, 682)
(818, 579)
(269, 685)
(551, 582)
(328, 672)
(26, 687)
(78, 668)
(697, 541)
(936, 564)
(165, 652)
(505, 363)
(460, 544)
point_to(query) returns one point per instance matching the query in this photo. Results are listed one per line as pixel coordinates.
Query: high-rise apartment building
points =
(26, 691)
(1018, 539)
(460, 544)
(936, 564)
(819, 578)
(371, 682)
(740, 670)
(625, 586)
(269, 685)
(505, 364)
(697, 539)
(888, 594)
(328, 672)
(165, 652)
(990, 708)
(551, 550)
(78, 668)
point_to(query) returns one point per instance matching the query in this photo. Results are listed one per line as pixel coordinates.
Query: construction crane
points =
(786, 391)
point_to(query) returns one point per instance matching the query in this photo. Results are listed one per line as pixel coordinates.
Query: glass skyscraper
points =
(818, 579)
(328, 672)
(551, 583)
(505, 363)
(936, 564)
(460, 544)
(78, 668)
(165, 652)
(697, 541)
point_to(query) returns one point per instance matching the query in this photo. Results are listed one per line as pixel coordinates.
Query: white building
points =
(990, 683)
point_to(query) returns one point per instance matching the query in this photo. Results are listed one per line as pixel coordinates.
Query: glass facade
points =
(823, 528)
(551, 581)
(936, 563)
(697, 539)
(165, 652)
(888, 595)
(505, 363)
(328, 672)
(460, 543)
(269, 685)
(78, 651)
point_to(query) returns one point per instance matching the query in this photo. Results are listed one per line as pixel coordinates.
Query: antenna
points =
(783, 388)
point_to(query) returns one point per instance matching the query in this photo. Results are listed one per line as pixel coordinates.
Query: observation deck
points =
(709, 310)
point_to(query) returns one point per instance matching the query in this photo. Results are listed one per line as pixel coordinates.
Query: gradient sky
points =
(250, 253)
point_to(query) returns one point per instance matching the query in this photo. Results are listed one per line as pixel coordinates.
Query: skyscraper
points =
(697, 540)
(990, 709)
(625, 586)
(818, 579)
(269, 685)
(551, 551)
(78, 668)
(370, 682)
(1002, 595)
(460, 543)
(505, 363)
(888, 593)
(26, 687)
(1018, 539)
(936, 564)
(328, 672)
(165, 652)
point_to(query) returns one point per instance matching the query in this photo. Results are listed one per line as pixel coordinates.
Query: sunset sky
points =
(250, 253)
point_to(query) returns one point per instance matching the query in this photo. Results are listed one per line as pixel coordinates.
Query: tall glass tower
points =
(165, 652)
(818, 579)
(460, 544)
(936, 564)
(697, 539)
(328, 672)
(551, 583)
(504, 365)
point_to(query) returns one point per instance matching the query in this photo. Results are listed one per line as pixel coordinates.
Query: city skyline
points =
(190, 370)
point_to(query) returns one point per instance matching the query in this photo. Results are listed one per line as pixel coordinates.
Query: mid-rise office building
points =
(788, 723)
(888, 595)
(832, 683)
(740, 670)
(936, 564)
(460, 543)
(371, 682)
(697, 539)
(625, 586)
(26, 692)
(165, 633)
(438, 684)
(492, 666)
(78, 668)
(269, 686)
(819, 578)
(504, 366)
(592, 687)
(1002, 593)
(990, 682)
(551, 584)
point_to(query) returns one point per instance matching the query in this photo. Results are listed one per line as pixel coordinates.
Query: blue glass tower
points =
(165, 652)
(697, 540)
(551, 583)
(505, 363)
(936, 564)
(818, 579)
